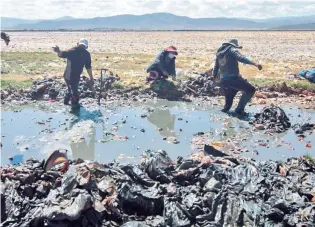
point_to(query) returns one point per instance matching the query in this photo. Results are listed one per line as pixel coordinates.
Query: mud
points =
(196, 86)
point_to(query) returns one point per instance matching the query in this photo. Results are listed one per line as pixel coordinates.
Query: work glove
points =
(259, 66)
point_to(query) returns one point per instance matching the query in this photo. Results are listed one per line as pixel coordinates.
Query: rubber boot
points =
(75, 102)
(67, 99)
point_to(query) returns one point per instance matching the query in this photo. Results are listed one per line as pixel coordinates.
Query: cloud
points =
(49, 9)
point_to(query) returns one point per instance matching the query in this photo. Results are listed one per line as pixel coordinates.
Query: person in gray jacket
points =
(226, 66)
(163, 65)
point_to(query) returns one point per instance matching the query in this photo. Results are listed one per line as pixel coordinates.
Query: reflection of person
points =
(163, 65)
(77, 58)
(84, 114)
(162, 118)
(227, 59)
(84, 149)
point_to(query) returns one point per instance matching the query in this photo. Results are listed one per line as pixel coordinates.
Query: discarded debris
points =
(301, 129)
(159, 192)
(56, 89)
(201, 85)
(272, 118)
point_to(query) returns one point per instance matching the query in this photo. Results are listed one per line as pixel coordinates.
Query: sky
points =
(50, 9)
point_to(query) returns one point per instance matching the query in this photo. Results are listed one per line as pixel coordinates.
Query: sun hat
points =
(234, 42)
(172, 49)
(84, 42)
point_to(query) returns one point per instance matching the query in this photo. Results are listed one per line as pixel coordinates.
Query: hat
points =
(172, 49)
(83, 42)
(234, 42)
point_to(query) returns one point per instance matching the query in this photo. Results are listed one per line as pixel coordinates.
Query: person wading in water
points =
(226, 66)
(77, 58)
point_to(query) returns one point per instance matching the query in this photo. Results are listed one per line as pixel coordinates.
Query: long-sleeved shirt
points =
(226, 62)
(163, 63)
(77, 58)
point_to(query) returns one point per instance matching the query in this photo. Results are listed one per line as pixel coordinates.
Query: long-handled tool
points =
(103, 71)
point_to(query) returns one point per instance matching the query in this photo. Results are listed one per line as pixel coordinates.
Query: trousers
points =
(73, 92)
(231, 87)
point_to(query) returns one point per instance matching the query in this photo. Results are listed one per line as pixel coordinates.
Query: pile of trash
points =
(50, 88)
(272, 118)
(300, 129)
(165, 89)
(201, 85)
(199, 191)
(46, 86)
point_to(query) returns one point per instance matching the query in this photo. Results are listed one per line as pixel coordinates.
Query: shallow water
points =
(99, 133)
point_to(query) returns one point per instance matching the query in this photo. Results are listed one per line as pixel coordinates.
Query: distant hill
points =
(309, 26)
(9, 22)
(283, 21)
(155, 21)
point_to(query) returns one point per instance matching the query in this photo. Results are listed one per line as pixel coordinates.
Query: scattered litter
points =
(301, 129)
(188, 192)
(272, 118)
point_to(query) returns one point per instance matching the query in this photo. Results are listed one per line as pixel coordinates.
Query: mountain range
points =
(160, 21)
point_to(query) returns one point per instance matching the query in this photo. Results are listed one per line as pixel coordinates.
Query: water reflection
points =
(84, 114)
(35, 132)
(163, 120)
(85, 147)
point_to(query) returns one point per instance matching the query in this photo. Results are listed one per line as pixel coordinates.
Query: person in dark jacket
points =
(77, 58)
(5, 37)
(163, 65)
(226, 66)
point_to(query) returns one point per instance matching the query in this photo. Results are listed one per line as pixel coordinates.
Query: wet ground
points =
(109, 133)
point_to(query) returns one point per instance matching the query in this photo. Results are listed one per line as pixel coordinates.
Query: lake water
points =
(100, 133)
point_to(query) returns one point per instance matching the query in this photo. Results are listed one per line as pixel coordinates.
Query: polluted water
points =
(157, 163)
(121, 133)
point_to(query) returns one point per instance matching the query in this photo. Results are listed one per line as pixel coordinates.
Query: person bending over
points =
(163, 65)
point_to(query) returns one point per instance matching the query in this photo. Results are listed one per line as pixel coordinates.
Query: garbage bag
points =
(156, 165)
(273, 118)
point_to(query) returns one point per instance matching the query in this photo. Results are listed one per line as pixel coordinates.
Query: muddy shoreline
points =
(199, 190)
(196, 88)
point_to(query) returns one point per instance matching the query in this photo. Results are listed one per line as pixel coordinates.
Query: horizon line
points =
(219, 17)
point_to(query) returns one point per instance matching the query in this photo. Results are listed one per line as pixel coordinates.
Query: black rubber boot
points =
(241, 112)
(75, 102)
(225, 110)
(66, 100)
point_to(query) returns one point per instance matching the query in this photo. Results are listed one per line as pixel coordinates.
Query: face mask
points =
(171, 56)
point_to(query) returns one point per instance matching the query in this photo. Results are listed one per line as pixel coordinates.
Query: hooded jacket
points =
(226, 62)
(163, 63)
